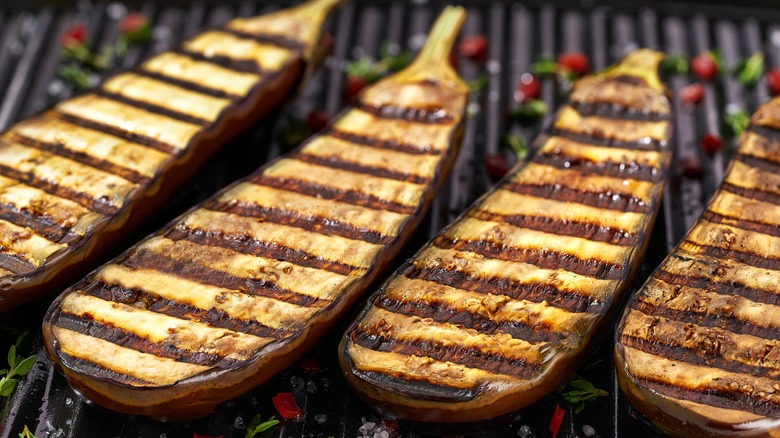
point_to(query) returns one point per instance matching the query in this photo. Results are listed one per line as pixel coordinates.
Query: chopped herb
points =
(370, 71)
(364, 68)
(748, 71)
(518, 143)
(479, 83)
(26, 433)
(675, 64)
(18, 366)
(735, 122)
(257, 425)
(75, 76)
(544, 67)
(718, 58)
(530, 111)
(580, 391)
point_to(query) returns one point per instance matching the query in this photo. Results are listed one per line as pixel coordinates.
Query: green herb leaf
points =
(479, 83)
(12, 358)
(20, 338)
(75, 76)
(544, 67)
(735, 122)
(257, 425)
(675, 64)
(518, 143)
(26, 433)
(363, 68)
(7, 386)
(530, 111)
(580, 391)
(25, 365)
(718, 58)
(749, 71)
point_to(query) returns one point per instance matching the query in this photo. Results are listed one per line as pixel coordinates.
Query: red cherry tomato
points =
(286, 406)
(692, 94)
(711, 143)
(704, 66)
(317, 120)
(474, 47)
(132, 22)
(773, 81)
(528, 88)
(352, 87)
(497, 166)
(74, 36)
(575, 62)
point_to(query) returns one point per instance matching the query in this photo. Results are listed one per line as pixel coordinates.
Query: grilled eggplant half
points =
(501, 306)
(698, 348)
(75, 178)
(242, 285)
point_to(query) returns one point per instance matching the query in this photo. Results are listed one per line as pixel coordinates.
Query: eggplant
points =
(239, 287)
(697, 348)
(503, 304)
(77, 178)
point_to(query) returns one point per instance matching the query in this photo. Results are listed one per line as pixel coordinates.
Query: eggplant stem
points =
(442, 36)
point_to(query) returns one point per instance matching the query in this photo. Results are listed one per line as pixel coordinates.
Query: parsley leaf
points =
(748, 71)
(735, 122)
(580, 391)
(257, 425)
(675, 64)
(17, 366)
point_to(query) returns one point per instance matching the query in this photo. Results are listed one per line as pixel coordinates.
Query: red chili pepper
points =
(352, 87)
(711, 143)
(575, 62)
(497, 166)
(317, 120)
(704, 66)
(474, 47)
(773, 81)
(286, 406)
(528, 88)
(692, 94)
(310, 365)
(132, 22)
(692, 167)
(74, 36)
(556, 420)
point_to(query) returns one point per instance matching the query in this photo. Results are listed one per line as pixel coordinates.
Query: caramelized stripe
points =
(99, 205)
(758, 227)
(432, 115)
(83, 158)
(447, 353)
(152, 108)
(124, 338)
(631, 169)
(188, 270)
(98, 371)
(731, 288)
(275, 40)
(41, 224)
(529, 291)
(611, 111)
(442, 313)
(239, 65)
(747, 258)
(354, 197)
(558, 192)
(247, 245)
(116, 132)
(585, 230)
(364, 140)
(154, 303)
(769, 133)
(647, 145)
(338, 163)
(542, 257)
(192, 86)
(15, 264)
(316, 224)
(756, 194)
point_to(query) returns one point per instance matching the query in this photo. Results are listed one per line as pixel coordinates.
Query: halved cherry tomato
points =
(74, 36)
(704, 66)
(474, 47)
(575, 62)
(692, 94)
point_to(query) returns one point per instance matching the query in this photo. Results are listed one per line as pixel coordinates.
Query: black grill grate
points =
(518, 34)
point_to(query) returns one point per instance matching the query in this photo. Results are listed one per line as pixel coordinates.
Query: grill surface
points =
(518, 34)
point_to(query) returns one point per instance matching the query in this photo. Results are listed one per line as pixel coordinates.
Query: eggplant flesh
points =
(697, 349)
(240, 286)
(78, 177)
(501, 306)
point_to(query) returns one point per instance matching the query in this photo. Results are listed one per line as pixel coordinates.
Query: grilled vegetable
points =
(239, 287)
(501, 306)
(697, 350)
(75, 178)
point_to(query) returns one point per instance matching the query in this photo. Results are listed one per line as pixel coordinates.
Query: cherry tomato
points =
(474, 47)
(575, 62)
(497, 166)
(692, 94)
(132, 22)
(773, 81)
(528, 88)
(317, 120)
(711, 143)
(286, 406)
(74, 36)
(352, 87)
(704, 66)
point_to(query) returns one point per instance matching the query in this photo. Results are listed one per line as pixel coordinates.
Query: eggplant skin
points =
(697, 348)
(77, 178)
(240, 286)
(501, 306)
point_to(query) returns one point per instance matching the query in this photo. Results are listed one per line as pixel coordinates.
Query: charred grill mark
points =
(316, 224)
(97, 371)
(116, 335)
(759, 227)
(365, 140)
(631, 169)
(186, 269)
(442, 313)
(769, 133)
(531, 291)
(83, 158)
(15, 263)
(338, 163)
(239, 65)
(418, 115)
(585, 230)
(192, 86)
(606, 199)
(465, 356)
(757, 194)
(722, 321)
(732, 288)
(541, 257)
(100, 205)
(117, 132)
(747, 258)
(647, 144)
(759, 163)
(213, 317)
(612, 111)
(152, 108)
(248, 245)
(715, 397)
(39, 223)
(275, 40)
(701, 356)
(354, 197)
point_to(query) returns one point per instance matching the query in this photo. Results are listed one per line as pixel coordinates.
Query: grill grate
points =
(518, 34)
